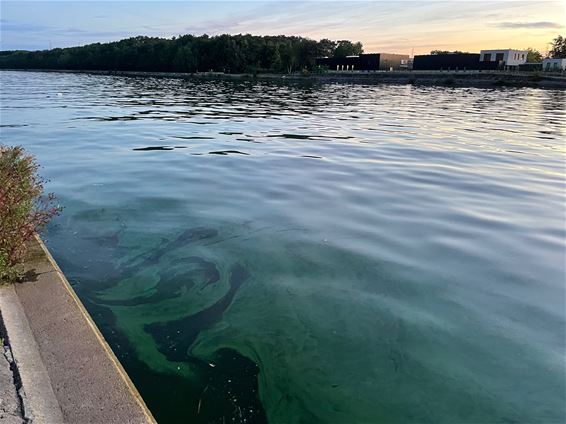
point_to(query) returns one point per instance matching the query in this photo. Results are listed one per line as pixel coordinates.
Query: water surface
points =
(311, 253)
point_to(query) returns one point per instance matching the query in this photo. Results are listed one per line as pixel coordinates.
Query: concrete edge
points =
(38, 400)
(121, 371)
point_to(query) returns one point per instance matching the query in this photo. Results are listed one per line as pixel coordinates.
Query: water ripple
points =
(312, 252)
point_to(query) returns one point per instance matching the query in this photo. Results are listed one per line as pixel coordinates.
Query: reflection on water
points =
(311, 253)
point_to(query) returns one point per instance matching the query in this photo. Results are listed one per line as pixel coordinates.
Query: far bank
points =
(479, 79)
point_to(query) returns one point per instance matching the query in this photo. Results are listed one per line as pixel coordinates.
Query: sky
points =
(382, 26)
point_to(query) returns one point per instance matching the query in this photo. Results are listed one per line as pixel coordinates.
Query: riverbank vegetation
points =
(24, 209)
(231, 54)
(187, 53)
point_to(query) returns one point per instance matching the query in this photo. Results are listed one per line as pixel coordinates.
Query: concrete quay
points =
(55, 365)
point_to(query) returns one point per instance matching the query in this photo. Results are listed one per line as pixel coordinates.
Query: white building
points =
(554, 65)
(504, 57)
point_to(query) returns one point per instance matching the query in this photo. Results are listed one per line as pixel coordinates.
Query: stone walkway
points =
(10, 407)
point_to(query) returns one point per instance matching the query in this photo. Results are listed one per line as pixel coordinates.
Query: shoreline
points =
(63, 368)
(477, 79)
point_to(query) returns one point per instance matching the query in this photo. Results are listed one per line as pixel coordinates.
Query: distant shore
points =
(484, 79)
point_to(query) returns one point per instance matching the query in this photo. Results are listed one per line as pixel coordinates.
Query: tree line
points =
(187, 53)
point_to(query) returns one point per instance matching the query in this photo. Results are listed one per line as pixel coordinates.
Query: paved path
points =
(88, 382)
(10, 407)
(38, 402)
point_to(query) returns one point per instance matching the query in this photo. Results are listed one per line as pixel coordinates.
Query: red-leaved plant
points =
(24, 209)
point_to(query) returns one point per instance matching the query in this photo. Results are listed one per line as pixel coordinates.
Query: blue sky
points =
(386, 26)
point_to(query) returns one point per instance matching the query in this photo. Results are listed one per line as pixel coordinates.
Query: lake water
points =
(255, 251)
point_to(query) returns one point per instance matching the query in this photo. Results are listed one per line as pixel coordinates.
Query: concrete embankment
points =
(62, 371)
(483, 79)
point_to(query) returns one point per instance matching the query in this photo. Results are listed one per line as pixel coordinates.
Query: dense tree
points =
(185, 60)
(447, 52)
(187, 53)
(533, 55)
(289, 56)
(347, 48)
(326, 47)
(558, 50)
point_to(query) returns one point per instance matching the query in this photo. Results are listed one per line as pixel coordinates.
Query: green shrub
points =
(24, 210)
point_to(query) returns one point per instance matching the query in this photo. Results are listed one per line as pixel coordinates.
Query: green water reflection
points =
(257, 251)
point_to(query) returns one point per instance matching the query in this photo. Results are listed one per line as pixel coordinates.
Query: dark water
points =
(311, 253)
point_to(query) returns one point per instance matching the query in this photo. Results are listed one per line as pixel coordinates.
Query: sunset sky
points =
(382, 26)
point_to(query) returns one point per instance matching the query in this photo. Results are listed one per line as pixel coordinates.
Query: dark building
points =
(365, 62)
(451, 61)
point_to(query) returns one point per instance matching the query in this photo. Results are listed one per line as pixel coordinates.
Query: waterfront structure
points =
(365, 62)
(485, 60)
(67, 371)
(447, 61)
(555, 65)
(504, 58)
